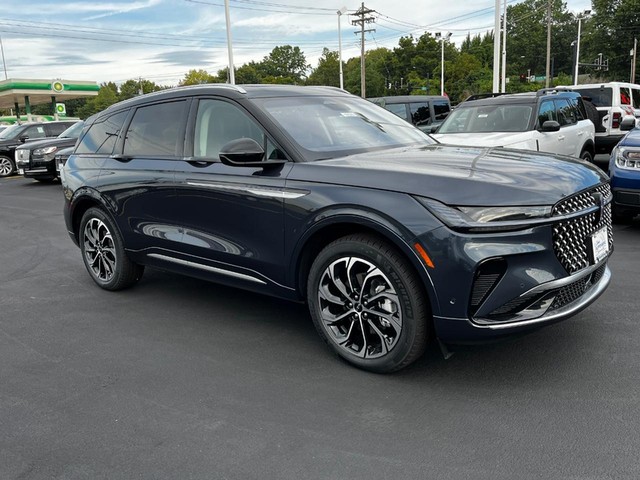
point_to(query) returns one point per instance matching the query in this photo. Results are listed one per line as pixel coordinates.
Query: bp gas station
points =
(21, 94)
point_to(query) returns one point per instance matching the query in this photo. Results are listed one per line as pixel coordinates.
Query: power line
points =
(258, 9)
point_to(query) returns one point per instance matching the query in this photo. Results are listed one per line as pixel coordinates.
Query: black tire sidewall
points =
(587, 156)
(412, 307)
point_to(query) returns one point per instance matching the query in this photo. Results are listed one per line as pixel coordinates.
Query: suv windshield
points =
(73, 131)
(488, 118)
(340, 126)
(11, 132)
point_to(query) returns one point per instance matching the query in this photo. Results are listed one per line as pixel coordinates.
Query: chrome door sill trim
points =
(208, 268)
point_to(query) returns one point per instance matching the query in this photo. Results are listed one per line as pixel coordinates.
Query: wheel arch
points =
(83, 200)
(590, 147)
(337, 226)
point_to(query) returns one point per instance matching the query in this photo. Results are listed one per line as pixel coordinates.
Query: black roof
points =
(517, 98)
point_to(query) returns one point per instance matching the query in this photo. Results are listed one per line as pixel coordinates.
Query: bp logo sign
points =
(61, 109)
(57, 86)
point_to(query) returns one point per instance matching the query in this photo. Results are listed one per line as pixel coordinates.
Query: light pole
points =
(582, 15)
(442, 40)
(232, 75)
(340, 13)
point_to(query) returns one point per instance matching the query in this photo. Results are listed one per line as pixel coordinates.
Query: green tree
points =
(131, 88)
(285, 62)
(197, 77)
(328, 70)
(107, 96)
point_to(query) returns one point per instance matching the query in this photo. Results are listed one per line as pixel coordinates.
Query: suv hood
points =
(48, 142)
(486, 139)
(459, 175)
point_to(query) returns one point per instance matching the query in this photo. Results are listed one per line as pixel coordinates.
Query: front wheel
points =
(6, 167)
(368, 304)
(103, 252)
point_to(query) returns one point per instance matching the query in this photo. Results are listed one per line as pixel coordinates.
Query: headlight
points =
(488, 218)
(47, 153)
(627, 158)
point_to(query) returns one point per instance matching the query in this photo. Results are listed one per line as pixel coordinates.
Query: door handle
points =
(560, 138)
(580, 134)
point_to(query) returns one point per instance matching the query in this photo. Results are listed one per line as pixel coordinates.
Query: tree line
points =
(414, 65)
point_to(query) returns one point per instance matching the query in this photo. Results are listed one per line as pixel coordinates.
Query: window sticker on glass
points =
(349, 114)
(40, 129)
(483, 115)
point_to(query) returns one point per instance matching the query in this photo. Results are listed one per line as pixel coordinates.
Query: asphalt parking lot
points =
(182, 379)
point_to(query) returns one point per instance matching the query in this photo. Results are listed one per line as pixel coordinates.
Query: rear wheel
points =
(103, 252)
(587, 156)
(6, 167)
(368, 304)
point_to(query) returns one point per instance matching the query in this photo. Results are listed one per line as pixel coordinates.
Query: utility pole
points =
(232, 73)
(503, 81)
(3, 62)
(364, 19)
(548, 79)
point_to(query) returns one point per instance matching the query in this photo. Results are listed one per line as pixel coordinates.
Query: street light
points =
(442, 39)
(582, 15)
(340, 13)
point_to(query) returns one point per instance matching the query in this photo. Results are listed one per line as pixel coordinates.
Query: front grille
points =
(571, 238)
(575, 290)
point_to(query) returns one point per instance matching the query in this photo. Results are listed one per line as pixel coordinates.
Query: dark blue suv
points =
(315, 195)
(624, 170)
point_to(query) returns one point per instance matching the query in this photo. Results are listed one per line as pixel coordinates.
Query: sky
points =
(160, 40)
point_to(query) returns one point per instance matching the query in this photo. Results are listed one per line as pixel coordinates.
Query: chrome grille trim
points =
(570, 237)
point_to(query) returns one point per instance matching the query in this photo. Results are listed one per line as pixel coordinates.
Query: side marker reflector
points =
(423, 254)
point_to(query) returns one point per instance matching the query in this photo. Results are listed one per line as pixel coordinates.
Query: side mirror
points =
(245, 152)
(550, 126)
(434, 128)
(23, 138)
(628, 123)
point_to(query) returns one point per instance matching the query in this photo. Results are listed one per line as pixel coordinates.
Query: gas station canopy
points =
(17, 93)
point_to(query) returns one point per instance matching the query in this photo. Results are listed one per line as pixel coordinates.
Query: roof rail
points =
(544, 91)
(480, 96)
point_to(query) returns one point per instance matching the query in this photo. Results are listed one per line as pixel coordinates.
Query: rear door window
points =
(156, 130)
(101, 136)
(625, 96)
(55, 129)
(441, 110)
(636, 97)
(420, 114)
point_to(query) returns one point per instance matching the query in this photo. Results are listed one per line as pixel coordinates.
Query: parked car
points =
(61, 158)
(546, 121)
(15, 135)
(624, 171)
(36, 159)
(310, 193)
(614, 101)
(423, 111)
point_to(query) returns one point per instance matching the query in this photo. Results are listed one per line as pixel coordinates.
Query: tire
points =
(7, 167)
(103, 252)
(587, 156)
(46, 180)
(380, 319)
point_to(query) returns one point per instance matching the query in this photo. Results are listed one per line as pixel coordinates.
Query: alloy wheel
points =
(5, 167)
(359, 307)
(99, 249)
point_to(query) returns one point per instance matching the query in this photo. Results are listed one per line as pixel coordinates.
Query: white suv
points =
(614, 101)
(550, 120)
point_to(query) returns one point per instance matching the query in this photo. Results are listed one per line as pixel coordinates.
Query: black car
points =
(16, 135)
(312, 194)
(37, 159)
(424, 111)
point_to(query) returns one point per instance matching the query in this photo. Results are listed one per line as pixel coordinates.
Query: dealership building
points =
(21, 94)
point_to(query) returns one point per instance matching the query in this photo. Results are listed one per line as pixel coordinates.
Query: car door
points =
(571, 136)
(232, 217)
(138, 178)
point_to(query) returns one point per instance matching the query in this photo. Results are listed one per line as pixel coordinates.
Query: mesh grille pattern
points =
(575, 290)
(571, 239)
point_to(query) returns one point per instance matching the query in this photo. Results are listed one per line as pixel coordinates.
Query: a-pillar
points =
(53, 106)
(27, 107)
(17, 107)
